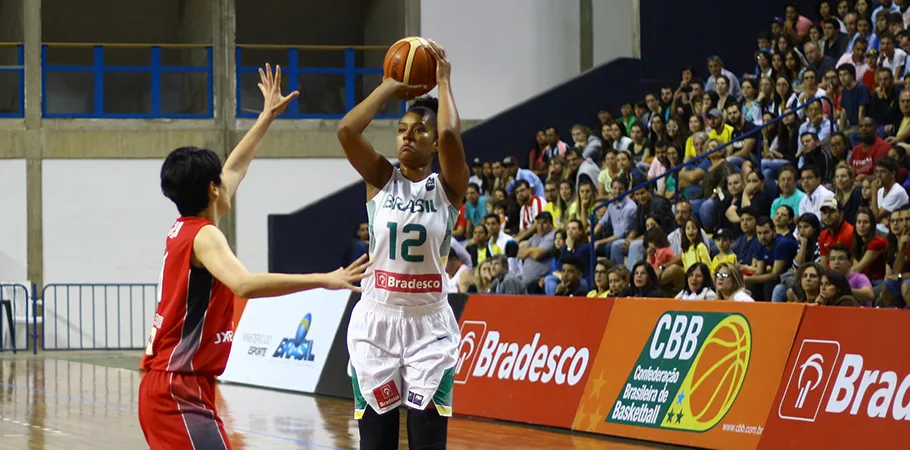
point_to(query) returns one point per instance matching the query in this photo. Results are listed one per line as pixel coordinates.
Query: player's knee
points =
(379, 431)
(427, 430)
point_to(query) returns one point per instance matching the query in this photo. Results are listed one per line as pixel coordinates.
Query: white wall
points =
(616, 30)
(281, 186)
(105, 221)
(504, 51)
(13, 221)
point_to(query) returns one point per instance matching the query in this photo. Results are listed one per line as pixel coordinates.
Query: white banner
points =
(283, 342)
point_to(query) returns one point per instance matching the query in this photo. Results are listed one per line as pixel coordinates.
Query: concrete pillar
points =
(10, 31)
(412, 17)
(223, 39)
(586, 34)
(196, 24)
(31, 24)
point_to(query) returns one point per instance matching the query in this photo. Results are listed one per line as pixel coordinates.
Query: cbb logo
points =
(299, 347)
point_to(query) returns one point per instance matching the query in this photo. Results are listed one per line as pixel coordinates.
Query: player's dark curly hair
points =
(425, 105)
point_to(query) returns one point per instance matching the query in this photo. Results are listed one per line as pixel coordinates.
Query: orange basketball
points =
(410, 62)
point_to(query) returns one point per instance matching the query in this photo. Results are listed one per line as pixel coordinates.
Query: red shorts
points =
(177, 411)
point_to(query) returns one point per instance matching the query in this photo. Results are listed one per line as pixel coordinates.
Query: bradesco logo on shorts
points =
(527, 359)
(408, 283)
(689, 374)
(848, 372)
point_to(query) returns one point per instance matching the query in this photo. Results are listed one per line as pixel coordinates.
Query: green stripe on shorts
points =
(360, 403)
(443, 396)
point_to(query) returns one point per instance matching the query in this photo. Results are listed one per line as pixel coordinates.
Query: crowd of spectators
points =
(812, 208)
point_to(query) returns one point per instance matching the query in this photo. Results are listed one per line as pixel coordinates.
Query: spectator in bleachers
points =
(513, 172)
(660, 254)
(558, 169)
(741, 148)
(536, 162)
(747, 246)
(536, 252)
(726, 215)
(841, 260)
(839, 149)
(601, 288)
(835, 41)
(481, 247)
(816, 193)
(633, 175)
(870, 149)
(869, 249)
(836, 232)
(766, 96)
(488, 179)
(815, 123)
(503, 281)
(643, 282)
(483, 278)
(696, 125)
(887, 7)
(493, 224)
(673, 160)
(792, 71)
(786, 98)
(834, 290)
(716, 68)
(581, 169)
(751, 110)
(763, 68)
(730, 285)
(719, 129)
(555, 146)
(856, 58)
(870, 78)
(475, 205)
(808, 229)
(618, 277)
(884, 106)
(360, 244)
(774, 258)
(659, 165)
(902, 129)
(531, 206)
(578, 244)
(864, 30)
(811, 89)
(897, 270)
(809, 277)
(796, 25)
(699, 284)
(571, 283)
(754, 194)
(608, 172)
(565, 208)
(640, 148)
(784, 220)
(722, 89)
(654, 109)
(817, 62)
(712, 179)
(846, 192)
(849, 19)
(617, 224)
(813, 154)
(620, 140)
(724, 238)
(584, 204)
(892, 58)
(589, 144)
(459, 276)
(657, 208)
(789, 194)
(889, 195)
(551, 195)
(658, 130)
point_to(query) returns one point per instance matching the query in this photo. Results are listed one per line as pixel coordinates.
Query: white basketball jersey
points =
(410, 233)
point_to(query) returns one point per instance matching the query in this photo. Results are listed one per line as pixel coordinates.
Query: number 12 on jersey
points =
(407, 243)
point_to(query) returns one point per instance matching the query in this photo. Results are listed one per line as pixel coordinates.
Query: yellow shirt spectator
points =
(696, 254)
(729, 258)
(725, 135)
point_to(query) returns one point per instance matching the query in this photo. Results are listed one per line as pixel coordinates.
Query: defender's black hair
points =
(186, 175)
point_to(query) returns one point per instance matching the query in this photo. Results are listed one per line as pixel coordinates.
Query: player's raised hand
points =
(345, 277)
(443, 67)
(270, 85)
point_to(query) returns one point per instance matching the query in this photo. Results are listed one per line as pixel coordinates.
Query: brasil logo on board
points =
(689, 373)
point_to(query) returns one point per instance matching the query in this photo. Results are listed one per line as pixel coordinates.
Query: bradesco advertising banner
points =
(525, 358)
(846, 383)
(697, 373)
(283, 342)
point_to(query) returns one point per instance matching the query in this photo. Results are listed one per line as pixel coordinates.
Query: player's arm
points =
(455, 172)
(211, 250)
(273, 104)
(373, 167)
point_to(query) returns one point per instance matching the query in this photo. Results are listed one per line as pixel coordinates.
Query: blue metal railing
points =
(592, 218)
(19, 69)
(103, 316)
(292, 71)
(155, 69)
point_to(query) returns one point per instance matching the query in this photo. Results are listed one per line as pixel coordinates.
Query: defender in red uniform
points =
(193, 330)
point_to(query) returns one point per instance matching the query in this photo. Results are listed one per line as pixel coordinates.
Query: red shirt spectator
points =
(877, 270)
(864, 157)
(844, 235)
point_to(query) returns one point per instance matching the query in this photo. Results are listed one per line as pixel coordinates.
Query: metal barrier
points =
(155, 70)
(337, 98)
(16, 308)
(102, 316)
(19, 70)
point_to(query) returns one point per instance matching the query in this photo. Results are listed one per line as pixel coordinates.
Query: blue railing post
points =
(291, 74)
(35, 319)
(349, 81)
(156, 80)
(20, 60)
(43, 80)
(210, 82)
(238, 82)
(98, 67)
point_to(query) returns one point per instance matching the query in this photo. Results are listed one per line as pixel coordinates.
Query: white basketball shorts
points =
(402, 354)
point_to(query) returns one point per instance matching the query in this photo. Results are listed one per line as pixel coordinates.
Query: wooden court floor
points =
(89, 400)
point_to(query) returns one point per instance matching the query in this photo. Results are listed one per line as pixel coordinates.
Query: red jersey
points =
(863, 159)
(193, 328)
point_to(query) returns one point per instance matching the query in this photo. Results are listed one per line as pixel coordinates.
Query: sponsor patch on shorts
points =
(415, 398)
(387, 394)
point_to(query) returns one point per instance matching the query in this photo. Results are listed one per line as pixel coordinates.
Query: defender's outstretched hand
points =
(270, 85)
(345, 277)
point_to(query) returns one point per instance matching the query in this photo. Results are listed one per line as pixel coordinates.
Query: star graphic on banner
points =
(680, 397)
(595, 419)
(598, 385)
(670, 416)
(679, 416)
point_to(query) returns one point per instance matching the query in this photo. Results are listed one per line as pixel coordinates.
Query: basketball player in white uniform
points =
(403, 336)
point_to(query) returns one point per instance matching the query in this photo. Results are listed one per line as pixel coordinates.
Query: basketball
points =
(719, 370)
(410, 62)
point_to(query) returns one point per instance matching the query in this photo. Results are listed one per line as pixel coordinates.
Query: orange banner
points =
(697, 373)
(527, 359)
(846, 383)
